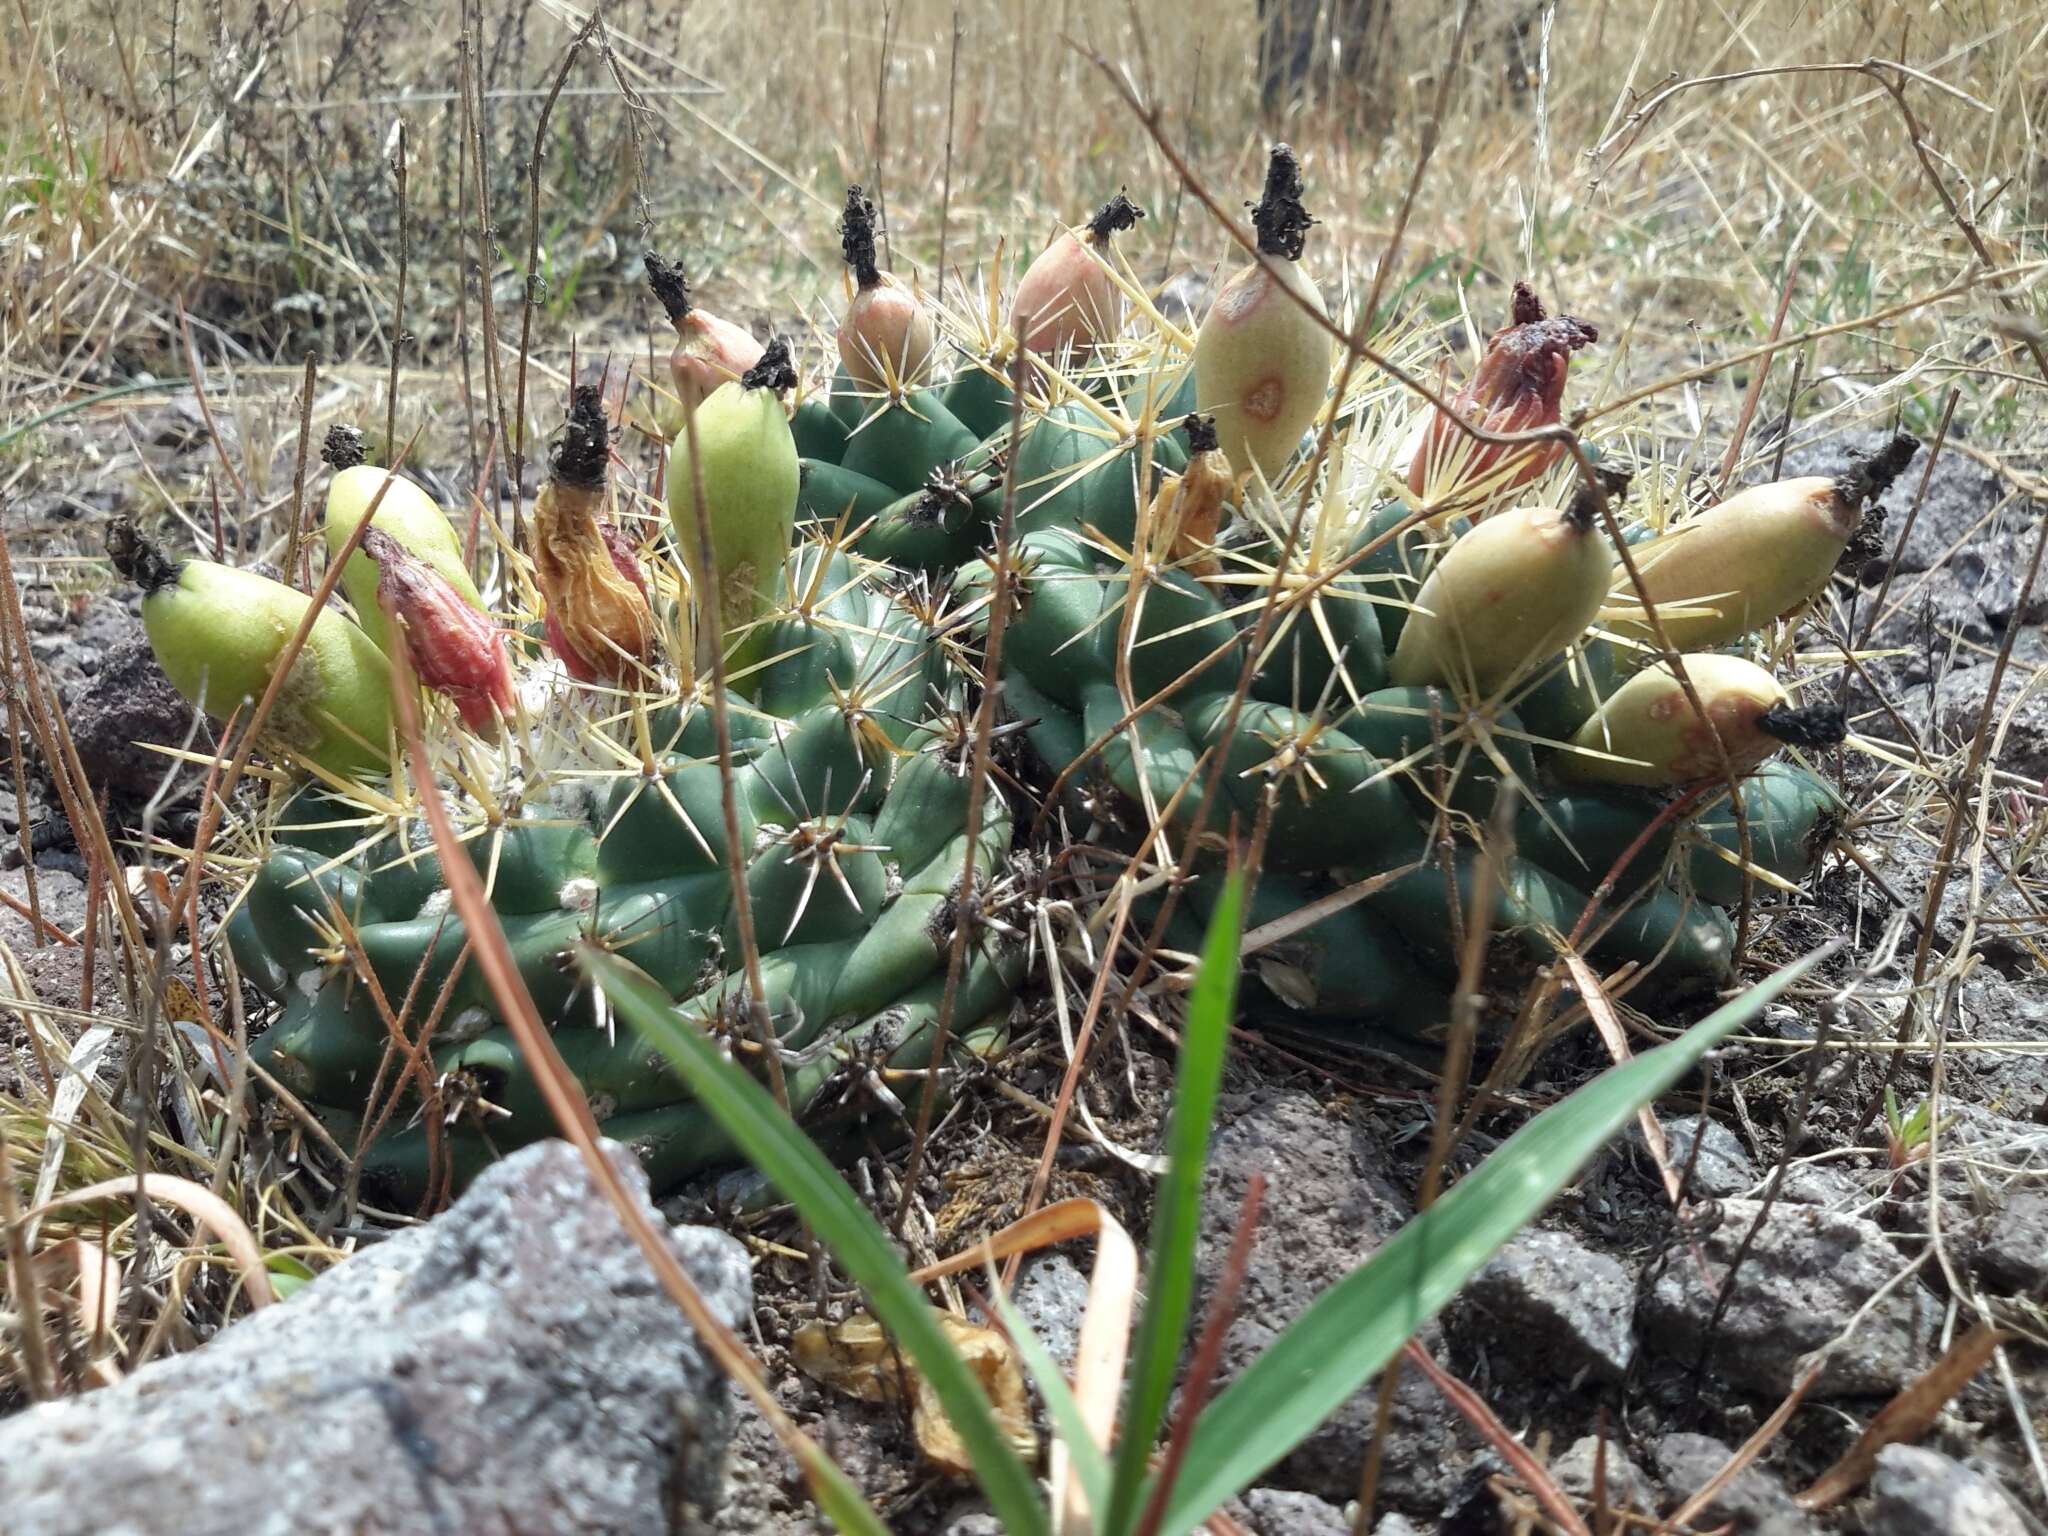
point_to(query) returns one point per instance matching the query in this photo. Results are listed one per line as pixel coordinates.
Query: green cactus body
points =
(981, 397)
(817, 430)
(851, 820)
(830, 491)
(901, 444)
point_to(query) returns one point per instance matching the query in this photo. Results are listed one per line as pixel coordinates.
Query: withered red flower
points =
(1519, 384)
(454, 650)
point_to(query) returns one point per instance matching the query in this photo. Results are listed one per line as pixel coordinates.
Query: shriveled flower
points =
(1518, 385)
(455, 650)
(599, 619)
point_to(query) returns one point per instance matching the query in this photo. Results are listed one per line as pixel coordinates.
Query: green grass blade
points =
(1353, 1329)
(792, 1161)
(1091, 1467)
(1177, 1213)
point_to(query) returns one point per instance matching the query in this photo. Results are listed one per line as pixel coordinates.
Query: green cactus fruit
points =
(1262, 357)
(746, 462)
(404, 511)
(219, 633)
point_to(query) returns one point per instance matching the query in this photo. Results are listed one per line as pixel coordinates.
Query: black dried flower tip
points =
(1813, 727)
(139, 559)
(582, 449)
(774, 371)
(1201, 433)
(1278, 217)
(342, 448)
(857, 237)
(1118, 214)
(670, 287)
(1873, 476)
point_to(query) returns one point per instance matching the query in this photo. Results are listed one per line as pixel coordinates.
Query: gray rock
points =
(61, 899)
(1566, 1308)
(1052, 1293)
(1723, 1167)
(1281, 1512)
(1805, 1278)
(2009, 1247)
(1331, 1201)
(124, 707)
(1186, 297)
(978, 1522)
(512, 1366)
(1623, 1482)
(1828, 1184)
(1755, 1502)
(1959, 707)
(1918, 1492)
(1396, 1524)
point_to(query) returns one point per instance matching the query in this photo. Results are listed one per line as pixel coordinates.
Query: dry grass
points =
(209, 194)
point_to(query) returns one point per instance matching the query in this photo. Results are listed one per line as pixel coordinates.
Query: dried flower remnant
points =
(599, 620)
(454, 650)
(1518, 386)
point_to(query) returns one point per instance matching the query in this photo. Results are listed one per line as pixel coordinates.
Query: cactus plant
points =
(849, 793)
(1361, 655)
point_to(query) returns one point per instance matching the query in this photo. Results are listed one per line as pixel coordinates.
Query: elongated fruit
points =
(1518, 385)
(886, 341)
(1505, 598)
(1648, 732)
(1068, 300)
(1761, 553)
(599, 620)
(709, 351)
(1262, 360)
(404, 511)
(219, 634)
(746, 465)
